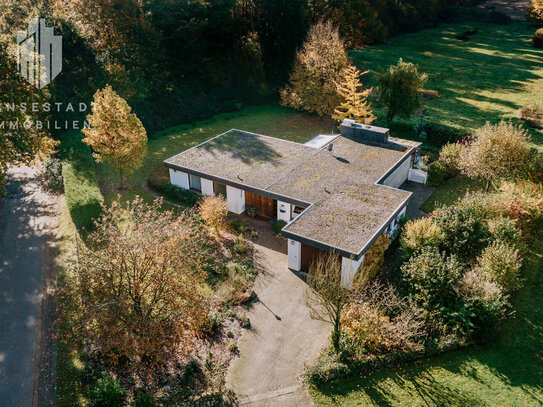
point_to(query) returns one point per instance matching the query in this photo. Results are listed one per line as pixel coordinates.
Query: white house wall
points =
(349, 269)
(399, 176)
(207, 187)
(294, 255)
(236, 199)
(179, 179)
(283, 211)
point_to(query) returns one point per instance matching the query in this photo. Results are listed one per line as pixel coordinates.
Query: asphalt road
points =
(26, 219)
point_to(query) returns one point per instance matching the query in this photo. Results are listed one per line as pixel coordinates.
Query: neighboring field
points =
(269, 120)
(488, 77)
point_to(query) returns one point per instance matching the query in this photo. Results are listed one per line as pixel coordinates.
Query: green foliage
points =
(278, 226)
(537, 39)
(328, 367)
(240, 245)
(399, 89)
(419, 233)
(497, 17)
(159, 180)
(504, 230)
(239, 226)
(107, 392)
(449, 155)
(143, 398)
(465, 232)
(501, 263)
(83, 195)
(438, 173)
(52, 174)
(251, 211)
(439, 135)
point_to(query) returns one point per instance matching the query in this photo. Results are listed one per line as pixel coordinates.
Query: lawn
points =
(269, 120)
(488, 77)
(450, 192)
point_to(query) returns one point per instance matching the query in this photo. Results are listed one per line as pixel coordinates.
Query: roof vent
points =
(330, 147)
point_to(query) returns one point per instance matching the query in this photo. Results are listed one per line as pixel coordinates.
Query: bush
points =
(450, 156)
(213, 210)
(52, 175)
(501, 263)
(159, 181)
(83, 195)
(278, 226)
(438, 173)
(240, 246)
(431, 276)
(537, 39)
(143, 398)
(439, 135)
(420, 233)
(532, 114)
(327, 368)
(504, 230)
(465, 231)
(107, 392)
(239, 226)
(534, 11)
(251, 211)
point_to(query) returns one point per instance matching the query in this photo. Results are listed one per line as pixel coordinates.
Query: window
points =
(195, 183)
(297, 210)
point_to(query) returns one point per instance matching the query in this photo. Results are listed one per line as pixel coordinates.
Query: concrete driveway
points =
(283, 337)
(26, 219)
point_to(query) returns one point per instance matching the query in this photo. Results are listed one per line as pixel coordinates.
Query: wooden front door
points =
(265, 207)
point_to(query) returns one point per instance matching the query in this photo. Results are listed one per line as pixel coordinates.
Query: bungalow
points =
(336, 193)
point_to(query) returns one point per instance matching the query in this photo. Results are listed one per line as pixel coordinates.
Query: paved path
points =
(26, 219)
(282, 337)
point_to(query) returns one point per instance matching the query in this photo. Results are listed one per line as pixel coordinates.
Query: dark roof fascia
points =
(407, 155)
(239, 185)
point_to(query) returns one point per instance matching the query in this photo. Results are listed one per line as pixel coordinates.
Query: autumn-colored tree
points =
(116, 134)
(213, 210)
(317, 68)
(399, 89)
(499, 151)
(21, 139)
(140, 281)
(534, 11)
(354, 103)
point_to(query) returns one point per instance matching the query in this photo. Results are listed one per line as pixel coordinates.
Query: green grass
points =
(487, 78)
(269, 120)
(450, 192)
(508, 371)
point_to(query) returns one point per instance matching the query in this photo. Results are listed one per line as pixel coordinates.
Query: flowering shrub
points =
(419, 233)
(500, 263)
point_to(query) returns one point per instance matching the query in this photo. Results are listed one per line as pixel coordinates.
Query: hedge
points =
(159, 181)
(83, 195)
(439, 135)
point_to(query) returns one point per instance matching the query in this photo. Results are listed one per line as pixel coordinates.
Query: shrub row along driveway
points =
(283, 337)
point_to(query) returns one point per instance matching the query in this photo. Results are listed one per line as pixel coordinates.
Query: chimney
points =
(363, 132)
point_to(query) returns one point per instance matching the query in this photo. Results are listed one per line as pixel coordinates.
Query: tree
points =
(498, 152)
(534, 11)
(317, 68)
(326, 296)
(21, 139)
(354, 105)
(140, 283)
(399, 89)
(116, 134)
(213, 210)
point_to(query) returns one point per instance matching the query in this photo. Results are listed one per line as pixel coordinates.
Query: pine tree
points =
(317, 67)
(355, 104)
(116, 134)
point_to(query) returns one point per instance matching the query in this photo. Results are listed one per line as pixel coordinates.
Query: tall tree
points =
(140, 283)
(399, 89)
(116, 134)
(355, 104)
(317, 68)
(499, 151)
(534, 11)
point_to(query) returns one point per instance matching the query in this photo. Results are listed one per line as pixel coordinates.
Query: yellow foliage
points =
(354, 105)
(213, 210)
(419, 233)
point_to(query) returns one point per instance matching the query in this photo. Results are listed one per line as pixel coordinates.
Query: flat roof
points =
(337, 180)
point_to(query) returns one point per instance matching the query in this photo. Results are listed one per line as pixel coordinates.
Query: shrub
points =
(251, 211)
(213, 210)
(504, 230)
(159, 180)
(107, 392)
(278, 226)
(501, 263)
(537, 39)
(240, 245)
(532, 114)
(233, 347)
(450, 156)
(465, 231)
(52, 174)
(534, 11)
(83, 195)
(143, 398)
(419, 233)
(439, 135)
(437, 174)
(327, 368)
(239, 226)
(522, 202)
